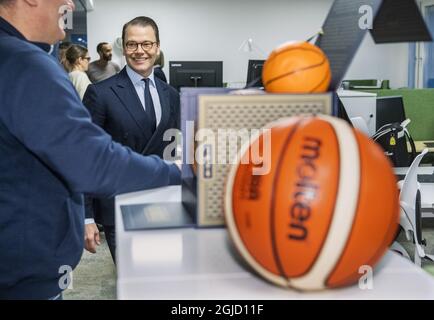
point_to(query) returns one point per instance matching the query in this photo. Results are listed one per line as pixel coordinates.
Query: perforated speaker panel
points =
(240, 112)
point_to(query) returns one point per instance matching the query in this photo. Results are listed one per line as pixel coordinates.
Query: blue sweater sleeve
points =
(45, 114)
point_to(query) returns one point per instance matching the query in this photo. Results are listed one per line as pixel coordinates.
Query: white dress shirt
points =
(139, 85)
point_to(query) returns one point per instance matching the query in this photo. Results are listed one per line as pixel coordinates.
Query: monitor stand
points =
(195, 79)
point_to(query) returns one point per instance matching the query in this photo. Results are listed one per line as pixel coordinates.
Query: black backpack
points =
(393, 139)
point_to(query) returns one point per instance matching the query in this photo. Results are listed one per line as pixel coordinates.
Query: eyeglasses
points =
(146, 46)
(86, 58)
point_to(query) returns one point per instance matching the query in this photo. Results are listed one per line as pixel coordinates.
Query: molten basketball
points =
(297, 67)
(327, 206)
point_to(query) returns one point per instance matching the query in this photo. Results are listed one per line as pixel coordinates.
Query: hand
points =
(91, 237)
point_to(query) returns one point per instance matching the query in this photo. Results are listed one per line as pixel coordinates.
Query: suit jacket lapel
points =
(166, 113)
(166, 108)
(125, 91)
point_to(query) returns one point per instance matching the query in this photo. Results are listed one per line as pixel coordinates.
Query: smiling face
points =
(141, 61)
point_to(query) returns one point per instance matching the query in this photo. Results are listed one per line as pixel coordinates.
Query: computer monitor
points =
(254, 73)
(196, 74)
(389, 110)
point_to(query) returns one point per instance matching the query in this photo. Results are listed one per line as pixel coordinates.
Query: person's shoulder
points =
(115, 65)
(75, 73)
(159, 73)
(92, 66)
(13, 44)
(79, 75)
(167, 86)
(13, 47)
(24, 57)
(109, 82)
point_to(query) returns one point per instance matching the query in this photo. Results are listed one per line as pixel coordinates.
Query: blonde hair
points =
(160, 60)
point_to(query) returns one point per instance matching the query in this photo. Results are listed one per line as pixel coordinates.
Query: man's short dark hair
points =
(100, 45)
(6, 2)
(143, 22)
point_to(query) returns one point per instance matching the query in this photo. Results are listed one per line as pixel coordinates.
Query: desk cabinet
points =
(189, 263)
(360, 104)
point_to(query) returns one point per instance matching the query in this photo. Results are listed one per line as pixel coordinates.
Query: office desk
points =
(360, 104)
(190, 263)
(420, 145)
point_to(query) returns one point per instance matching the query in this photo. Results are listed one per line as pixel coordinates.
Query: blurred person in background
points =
(158, 67)
(63, 46)
(103, 68)
(77, 62)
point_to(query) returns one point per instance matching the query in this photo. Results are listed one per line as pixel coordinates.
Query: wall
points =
(215, 30)
(383, 61)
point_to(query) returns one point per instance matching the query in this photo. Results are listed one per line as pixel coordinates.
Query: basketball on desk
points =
(296, 67)
(326, 206)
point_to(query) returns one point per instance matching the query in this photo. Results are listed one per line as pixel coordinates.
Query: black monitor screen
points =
(196, 74)
(389, 110)
(254, 73)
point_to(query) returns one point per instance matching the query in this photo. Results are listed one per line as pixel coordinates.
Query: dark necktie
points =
(149, 106)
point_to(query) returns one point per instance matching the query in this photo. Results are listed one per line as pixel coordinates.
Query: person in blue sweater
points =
(50, 154)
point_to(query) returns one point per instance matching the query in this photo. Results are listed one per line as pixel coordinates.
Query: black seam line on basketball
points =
(353, 225)
(332, 210)
(295, 71)
(370, 260)
(272, 202)
(322, 81)
(292, 49)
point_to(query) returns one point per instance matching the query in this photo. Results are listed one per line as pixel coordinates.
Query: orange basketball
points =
(297, 67)
(328, 205)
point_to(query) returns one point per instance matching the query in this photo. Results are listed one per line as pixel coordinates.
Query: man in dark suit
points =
(135, 108)
(50, 155)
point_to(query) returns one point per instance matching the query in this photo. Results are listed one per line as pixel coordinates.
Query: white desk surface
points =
(420, 145)
(190, 263)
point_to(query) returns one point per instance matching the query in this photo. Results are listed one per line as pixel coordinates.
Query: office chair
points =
(397, 247)
(410, 211)
(360, 123)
